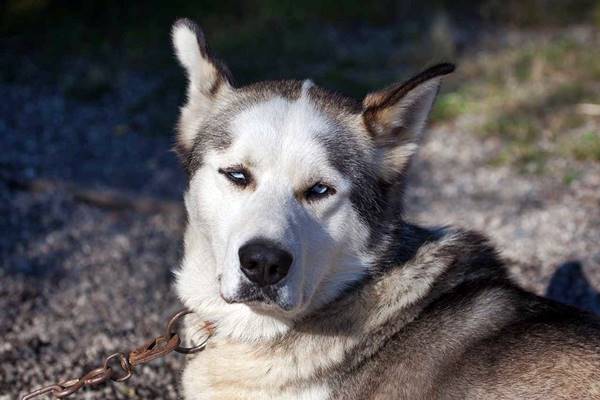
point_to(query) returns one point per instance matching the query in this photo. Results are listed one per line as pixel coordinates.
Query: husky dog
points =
(297, 252)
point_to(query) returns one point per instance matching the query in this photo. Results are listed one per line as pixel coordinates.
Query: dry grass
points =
(528, 95)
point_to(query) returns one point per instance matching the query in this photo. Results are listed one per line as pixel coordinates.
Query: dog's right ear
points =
(395, 118)
(208, 80)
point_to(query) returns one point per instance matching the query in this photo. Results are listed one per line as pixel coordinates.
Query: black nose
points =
(264, 262)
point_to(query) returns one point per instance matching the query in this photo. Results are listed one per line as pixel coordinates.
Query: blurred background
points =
(90, 213)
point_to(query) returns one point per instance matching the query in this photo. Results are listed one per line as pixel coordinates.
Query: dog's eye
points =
(237, 176)
(318, 191)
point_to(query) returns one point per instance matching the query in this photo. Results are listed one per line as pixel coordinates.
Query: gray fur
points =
(476, 336)
(435, 317)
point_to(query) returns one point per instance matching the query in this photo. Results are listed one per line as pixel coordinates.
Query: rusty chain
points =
(118, 367)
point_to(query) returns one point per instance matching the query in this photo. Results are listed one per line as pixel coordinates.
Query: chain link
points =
(123, 369)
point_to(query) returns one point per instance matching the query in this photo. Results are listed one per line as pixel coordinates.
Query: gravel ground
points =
(79, 282)
(538, 222)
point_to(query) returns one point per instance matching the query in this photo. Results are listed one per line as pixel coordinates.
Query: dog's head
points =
(288, 187)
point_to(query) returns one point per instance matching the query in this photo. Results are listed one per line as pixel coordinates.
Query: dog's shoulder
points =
(461, 255)
(477, 326)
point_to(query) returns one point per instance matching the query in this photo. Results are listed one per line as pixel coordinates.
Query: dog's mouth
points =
(267, 298)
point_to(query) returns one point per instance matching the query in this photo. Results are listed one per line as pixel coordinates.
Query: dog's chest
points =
(241, 371)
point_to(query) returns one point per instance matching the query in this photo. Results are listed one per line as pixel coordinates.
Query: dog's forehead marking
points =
(295, 115)
(307, 84)
(279, 127)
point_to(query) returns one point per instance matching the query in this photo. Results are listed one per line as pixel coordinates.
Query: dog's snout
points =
(264, 262)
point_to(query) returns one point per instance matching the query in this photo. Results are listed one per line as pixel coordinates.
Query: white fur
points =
(239, 372)
(276, 141)
(201, 71)
(202, 74)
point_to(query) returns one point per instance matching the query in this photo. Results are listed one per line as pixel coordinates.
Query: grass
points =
(585, 147)
(450, 106)
(526, 97)
(526, 158)
(518, 128)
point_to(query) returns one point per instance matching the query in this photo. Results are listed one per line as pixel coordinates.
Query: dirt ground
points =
(79, 280)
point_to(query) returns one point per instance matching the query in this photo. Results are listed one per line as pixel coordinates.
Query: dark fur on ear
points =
(395, 117)
(394, 93)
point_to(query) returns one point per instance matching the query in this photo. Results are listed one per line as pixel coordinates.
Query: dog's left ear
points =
(209, 80)
(396, 116)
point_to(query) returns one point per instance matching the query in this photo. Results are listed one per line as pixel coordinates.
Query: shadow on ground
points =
(569, 285)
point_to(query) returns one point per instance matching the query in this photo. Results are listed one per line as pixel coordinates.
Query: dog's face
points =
(287, 185)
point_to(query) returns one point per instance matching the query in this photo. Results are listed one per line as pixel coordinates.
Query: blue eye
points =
(236, 176)
(318, 191)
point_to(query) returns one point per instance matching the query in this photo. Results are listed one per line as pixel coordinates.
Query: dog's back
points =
(484, 339)
(550, 352)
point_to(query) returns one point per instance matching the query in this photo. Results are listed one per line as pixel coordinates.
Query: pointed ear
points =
(208, 79)
(396, 116)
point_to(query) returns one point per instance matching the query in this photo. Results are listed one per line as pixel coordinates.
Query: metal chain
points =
(118, 367)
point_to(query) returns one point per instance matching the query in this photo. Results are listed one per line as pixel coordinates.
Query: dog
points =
(297, 252)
